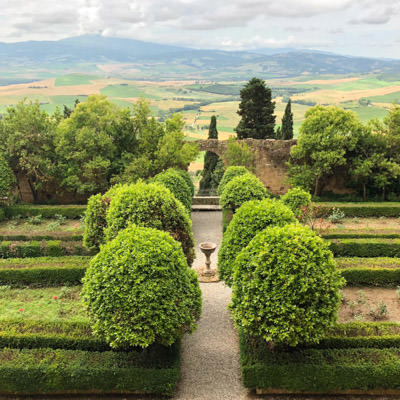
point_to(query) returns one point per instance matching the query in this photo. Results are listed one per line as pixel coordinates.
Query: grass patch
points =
(44, 304)
(127, 91)
(387, 98)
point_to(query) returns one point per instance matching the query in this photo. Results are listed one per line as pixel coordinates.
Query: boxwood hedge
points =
(139, 290)
(251, 218)
(229, 174)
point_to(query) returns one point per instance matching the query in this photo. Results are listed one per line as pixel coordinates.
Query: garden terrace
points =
(362, 210)
(46, 211)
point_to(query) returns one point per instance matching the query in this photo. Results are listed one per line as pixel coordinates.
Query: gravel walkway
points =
(210, 356)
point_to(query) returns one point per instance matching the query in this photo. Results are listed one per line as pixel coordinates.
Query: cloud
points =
(378, 13)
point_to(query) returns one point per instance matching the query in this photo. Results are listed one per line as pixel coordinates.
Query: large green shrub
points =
(296, 199)
(229, 174)
(251, 218)
(95, 219)
(286, 286)
(7, 178)
(153, 206)
(178, 186)
(186, 176)
(139, 290)
(241, 189)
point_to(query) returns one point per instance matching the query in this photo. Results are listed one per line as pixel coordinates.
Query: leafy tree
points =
(93, 145)
(210, 160)
(240, 154)
(161, 145)
(139, 290)
(7, 179)
(287, 123)
(27, 137)
(286, 289)
(257, 111)
(68, 111)
(327, 136)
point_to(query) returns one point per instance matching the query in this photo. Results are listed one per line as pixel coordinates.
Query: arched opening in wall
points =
(206, 172)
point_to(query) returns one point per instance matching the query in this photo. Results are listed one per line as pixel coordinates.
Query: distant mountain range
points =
(145, 60)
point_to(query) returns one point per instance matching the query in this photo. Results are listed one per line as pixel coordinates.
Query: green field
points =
(387, 98)
(75, 79)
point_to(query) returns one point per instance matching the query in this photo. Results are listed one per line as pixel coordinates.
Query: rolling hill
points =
(144, 60)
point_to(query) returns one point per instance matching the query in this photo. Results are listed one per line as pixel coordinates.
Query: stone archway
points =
(271, 158)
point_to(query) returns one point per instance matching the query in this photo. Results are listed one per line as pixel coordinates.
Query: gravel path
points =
(210, 356)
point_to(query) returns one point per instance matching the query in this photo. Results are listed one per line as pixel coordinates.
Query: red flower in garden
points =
(39, 305)
(55, 297)
(20, 310)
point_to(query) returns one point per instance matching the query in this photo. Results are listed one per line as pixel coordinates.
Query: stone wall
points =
(271, 158)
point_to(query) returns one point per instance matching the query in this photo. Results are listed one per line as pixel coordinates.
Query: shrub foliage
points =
(286, 286)
(178, 186)
(296, 199)
(153, 206)
(139, 290)
(241, 189)
(251, 218)
(229, 174)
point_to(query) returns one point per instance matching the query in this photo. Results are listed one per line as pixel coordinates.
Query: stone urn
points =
(207, 249)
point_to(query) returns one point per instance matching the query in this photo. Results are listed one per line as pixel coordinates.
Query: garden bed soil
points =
(46, 227)
(380, 225)
(368, 304)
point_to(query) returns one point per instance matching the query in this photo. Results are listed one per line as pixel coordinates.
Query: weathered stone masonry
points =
(271, 158)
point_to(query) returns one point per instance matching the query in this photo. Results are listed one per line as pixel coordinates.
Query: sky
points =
(368, 28)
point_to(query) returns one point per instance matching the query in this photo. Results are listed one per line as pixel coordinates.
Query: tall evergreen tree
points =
(257, 111)
(210, 159)
(287, 122)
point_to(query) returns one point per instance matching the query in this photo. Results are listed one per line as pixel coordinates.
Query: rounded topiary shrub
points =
(174, 181)
(229, 174)
(153, 206)
(95, 219)
(251, 218)
(296, 199)
(139, 290)
(186, 176)
(241, 189)
(286, 288)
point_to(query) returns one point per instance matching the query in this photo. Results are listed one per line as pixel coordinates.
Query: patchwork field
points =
(369, 96)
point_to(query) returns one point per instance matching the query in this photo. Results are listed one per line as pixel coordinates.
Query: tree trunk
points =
(384, 193)
(365, 192)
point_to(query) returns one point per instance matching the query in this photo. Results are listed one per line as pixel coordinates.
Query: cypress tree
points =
(257, 111)
(287, 122)
(210, 159)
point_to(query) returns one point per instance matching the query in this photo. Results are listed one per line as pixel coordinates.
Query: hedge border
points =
(51, 248)
(26, 238)
(307, 370)
(361, 209)
(49, 371)
(361, 235)
(365, 247)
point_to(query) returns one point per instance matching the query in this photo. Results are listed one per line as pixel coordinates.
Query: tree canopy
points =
(257, 111)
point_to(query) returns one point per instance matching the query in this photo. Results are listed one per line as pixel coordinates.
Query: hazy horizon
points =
(349, 27)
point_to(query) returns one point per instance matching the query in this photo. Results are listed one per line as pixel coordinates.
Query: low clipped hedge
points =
(379, 271)
(358, 235)
(241, 189)
(43, 271)
(229, 174)
(25, 238)
(330, 370)
(178, 186)
(251, 218)
(365, 247)
(29, 210)
(384, 209)
(49, 371)
(51, 248)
